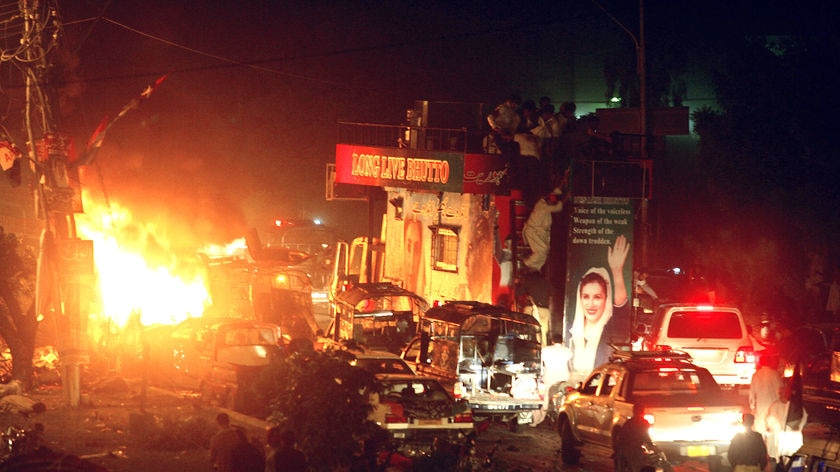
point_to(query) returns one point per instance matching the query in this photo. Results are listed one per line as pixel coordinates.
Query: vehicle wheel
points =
(569, 449)
(621, 464)
(204, 394)
(513, 424)
(715, 464)
(231, 397)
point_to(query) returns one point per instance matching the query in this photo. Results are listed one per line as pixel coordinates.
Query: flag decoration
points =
(9, 153)
(10, 162)
(98, 136)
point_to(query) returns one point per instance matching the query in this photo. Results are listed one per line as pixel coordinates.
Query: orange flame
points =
(137, 271)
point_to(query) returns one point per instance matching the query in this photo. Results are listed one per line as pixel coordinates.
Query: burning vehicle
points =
(376, 315)
(267, 285)
(219, 358)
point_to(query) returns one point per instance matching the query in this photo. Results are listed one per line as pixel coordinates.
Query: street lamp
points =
(640, 72)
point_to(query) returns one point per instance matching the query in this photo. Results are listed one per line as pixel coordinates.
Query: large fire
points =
(139, 271)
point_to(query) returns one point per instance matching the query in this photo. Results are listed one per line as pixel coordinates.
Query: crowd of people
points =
(538, 139)
(232, 451)
(776, 412)
(773, 428)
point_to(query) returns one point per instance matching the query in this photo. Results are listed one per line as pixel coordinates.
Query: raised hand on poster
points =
(616, 258)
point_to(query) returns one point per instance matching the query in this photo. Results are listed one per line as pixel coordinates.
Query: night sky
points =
(242, 127)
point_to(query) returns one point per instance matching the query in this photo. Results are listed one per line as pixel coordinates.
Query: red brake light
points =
(661, 347)
(464, 418)
(395, 419)
(745, 355)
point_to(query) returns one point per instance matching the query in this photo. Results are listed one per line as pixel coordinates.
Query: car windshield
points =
(383, 365)
(415, 389)
(705, 324)
(249, 337)
(672, 380)
(389, 303)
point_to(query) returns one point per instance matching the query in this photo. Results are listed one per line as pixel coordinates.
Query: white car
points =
(380, 362)
(716, 337)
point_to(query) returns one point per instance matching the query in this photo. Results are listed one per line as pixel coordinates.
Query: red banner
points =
(421, 170)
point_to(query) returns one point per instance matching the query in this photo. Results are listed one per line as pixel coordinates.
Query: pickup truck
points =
(691, 417)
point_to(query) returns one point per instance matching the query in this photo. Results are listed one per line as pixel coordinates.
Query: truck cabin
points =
(378, 316)
(480, 345)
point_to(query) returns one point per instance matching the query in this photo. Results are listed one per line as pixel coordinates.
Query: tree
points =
(767, 168)
(324, 400)
(18, 323)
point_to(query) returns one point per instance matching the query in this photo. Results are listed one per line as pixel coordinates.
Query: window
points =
(670, 381)
(592, 384)
(707, 324)
(445, 248)
(609, 384)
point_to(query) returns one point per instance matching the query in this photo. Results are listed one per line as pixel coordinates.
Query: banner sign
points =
(62, 187)
(75, 257)
(421, 170)
(55, 145)
(598, 306)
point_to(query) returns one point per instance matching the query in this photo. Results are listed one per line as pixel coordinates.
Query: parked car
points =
(716, 337)
(690, 415)
(380, 316)
(375, 361)
(217, 357)
(382, 362)
(483, 353)
(810, 354)
(417, 410)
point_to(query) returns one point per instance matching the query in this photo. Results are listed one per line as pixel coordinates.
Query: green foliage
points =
(324, 400)
(16, 260)
(18, 323)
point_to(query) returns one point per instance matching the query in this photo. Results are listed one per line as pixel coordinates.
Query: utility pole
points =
(645, 233)
(65, 263)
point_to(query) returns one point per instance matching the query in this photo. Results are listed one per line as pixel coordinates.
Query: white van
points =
(716, 337)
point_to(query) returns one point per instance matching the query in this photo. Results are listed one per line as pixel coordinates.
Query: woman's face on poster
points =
(593, 299)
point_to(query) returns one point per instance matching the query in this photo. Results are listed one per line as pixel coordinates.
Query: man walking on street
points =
(222, 444)
(747, 451)
(765, 389)
(632, 440)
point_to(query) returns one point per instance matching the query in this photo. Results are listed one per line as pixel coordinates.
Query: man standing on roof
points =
(504, 122)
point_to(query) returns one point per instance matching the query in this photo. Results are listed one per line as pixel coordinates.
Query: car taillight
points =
(745, 355)
(395, 419)
(464, 418)
(458, 390)
(661, 347)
